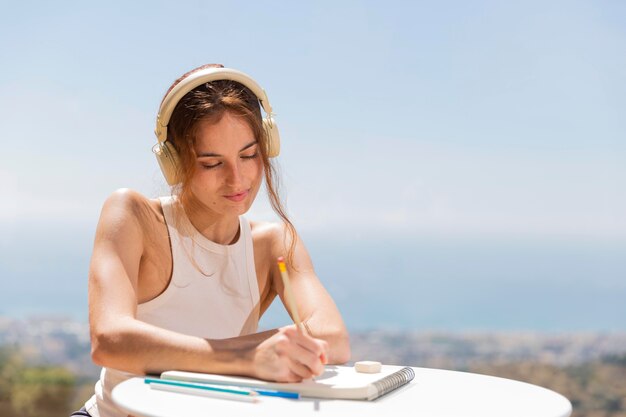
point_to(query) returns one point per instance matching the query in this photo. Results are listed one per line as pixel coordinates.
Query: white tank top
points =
(213, 293)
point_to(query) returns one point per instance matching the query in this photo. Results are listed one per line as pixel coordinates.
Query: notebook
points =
(337, 382)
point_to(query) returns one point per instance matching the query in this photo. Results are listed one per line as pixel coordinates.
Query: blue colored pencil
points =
(229, 390)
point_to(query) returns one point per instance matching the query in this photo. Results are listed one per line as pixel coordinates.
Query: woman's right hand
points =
(289, 356)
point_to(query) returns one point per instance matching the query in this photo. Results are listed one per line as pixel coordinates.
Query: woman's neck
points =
(223, 232)
(217, 227)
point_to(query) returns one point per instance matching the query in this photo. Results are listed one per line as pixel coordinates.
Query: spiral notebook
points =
(337, 382)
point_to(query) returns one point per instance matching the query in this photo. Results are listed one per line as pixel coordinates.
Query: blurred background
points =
(456, 169)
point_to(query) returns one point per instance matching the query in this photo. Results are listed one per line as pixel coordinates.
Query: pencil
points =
(291, 298)
(208, 387)
(194, 389)
(232, 389)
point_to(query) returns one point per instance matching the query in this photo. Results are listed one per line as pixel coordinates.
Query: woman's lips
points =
(237, 197)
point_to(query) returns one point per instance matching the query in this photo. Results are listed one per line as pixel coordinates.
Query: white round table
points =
(433, 393)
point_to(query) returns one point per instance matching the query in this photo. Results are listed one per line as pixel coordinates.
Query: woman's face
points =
(229, 166)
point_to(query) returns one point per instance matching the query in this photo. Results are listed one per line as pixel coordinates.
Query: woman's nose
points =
(234, 175)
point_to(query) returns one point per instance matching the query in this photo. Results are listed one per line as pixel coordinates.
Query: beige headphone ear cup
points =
(168, 160)
(273, 137)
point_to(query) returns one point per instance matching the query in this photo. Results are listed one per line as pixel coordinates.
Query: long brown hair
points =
(209, 102)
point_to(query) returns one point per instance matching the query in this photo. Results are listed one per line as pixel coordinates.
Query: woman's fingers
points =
(291, 356)
(310, 352)
(311, 359)
(299, 370)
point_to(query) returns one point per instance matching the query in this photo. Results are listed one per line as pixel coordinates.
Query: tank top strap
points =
(248, 247)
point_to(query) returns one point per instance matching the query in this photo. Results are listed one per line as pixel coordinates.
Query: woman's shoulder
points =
(266, 231)
(266, 236)
(273, 236)
(125, 205)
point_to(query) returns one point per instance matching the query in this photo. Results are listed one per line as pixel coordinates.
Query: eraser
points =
(368, 367)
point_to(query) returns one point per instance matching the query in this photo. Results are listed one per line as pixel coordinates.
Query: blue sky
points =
(452, 120)
(448, 118)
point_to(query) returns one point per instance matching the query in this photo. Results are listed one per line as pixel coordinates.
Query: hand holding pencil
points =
(291, 354)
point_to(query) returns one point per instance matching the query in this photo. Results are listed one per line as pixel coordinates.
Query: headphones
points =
(164, 150)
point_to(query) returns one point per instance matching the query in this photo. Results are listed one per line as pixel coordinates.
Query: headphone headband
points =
(198, 78)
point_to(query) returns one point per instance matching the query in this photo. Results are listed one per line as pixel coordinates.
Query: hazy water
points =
(386, 282)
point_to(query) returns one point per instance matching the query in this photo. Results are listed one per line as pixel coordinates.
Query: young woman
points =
(180, 282)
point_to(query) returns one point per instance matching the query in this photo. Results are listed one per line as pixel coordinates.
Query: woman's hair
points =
(208, 103)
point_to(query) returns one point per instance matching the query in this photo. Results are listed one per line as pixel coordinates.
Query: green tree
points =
(11, 365)
(43, 391)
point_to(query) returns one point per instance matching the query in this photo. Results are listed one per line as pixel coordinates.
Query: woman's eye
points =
(250, 156)
(211, 166)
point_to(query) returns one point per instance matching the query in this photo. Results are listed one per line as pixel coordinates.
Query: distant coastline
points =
(64, 341)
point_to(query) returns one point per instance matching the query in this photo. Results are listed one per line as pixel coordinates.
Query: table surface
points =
(433, 393)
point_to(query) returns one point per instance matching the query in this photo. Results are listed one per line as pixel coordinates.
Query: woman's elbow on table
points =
(339, 348)
(109, 348)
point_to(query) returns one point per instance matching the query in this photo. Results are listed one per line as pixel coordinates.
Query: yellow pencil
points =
(291, 298)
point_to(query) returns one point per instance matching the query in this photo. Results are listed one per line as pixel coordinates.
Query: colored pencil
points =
(291, 298)
(203, 390)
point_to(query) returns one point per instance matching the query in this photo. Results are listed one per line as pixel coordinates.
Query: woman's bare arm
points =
(316, 307)
(122, 342)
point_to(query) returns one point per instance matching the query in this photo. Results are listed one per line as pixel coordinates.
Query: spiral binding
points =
(393, 381)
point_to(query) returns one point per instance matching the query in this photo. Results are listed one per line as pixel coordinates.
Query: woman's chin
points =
(239, 207)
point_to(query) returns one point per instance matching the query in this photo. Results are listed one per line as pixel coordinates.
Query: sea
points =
(378, 282)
